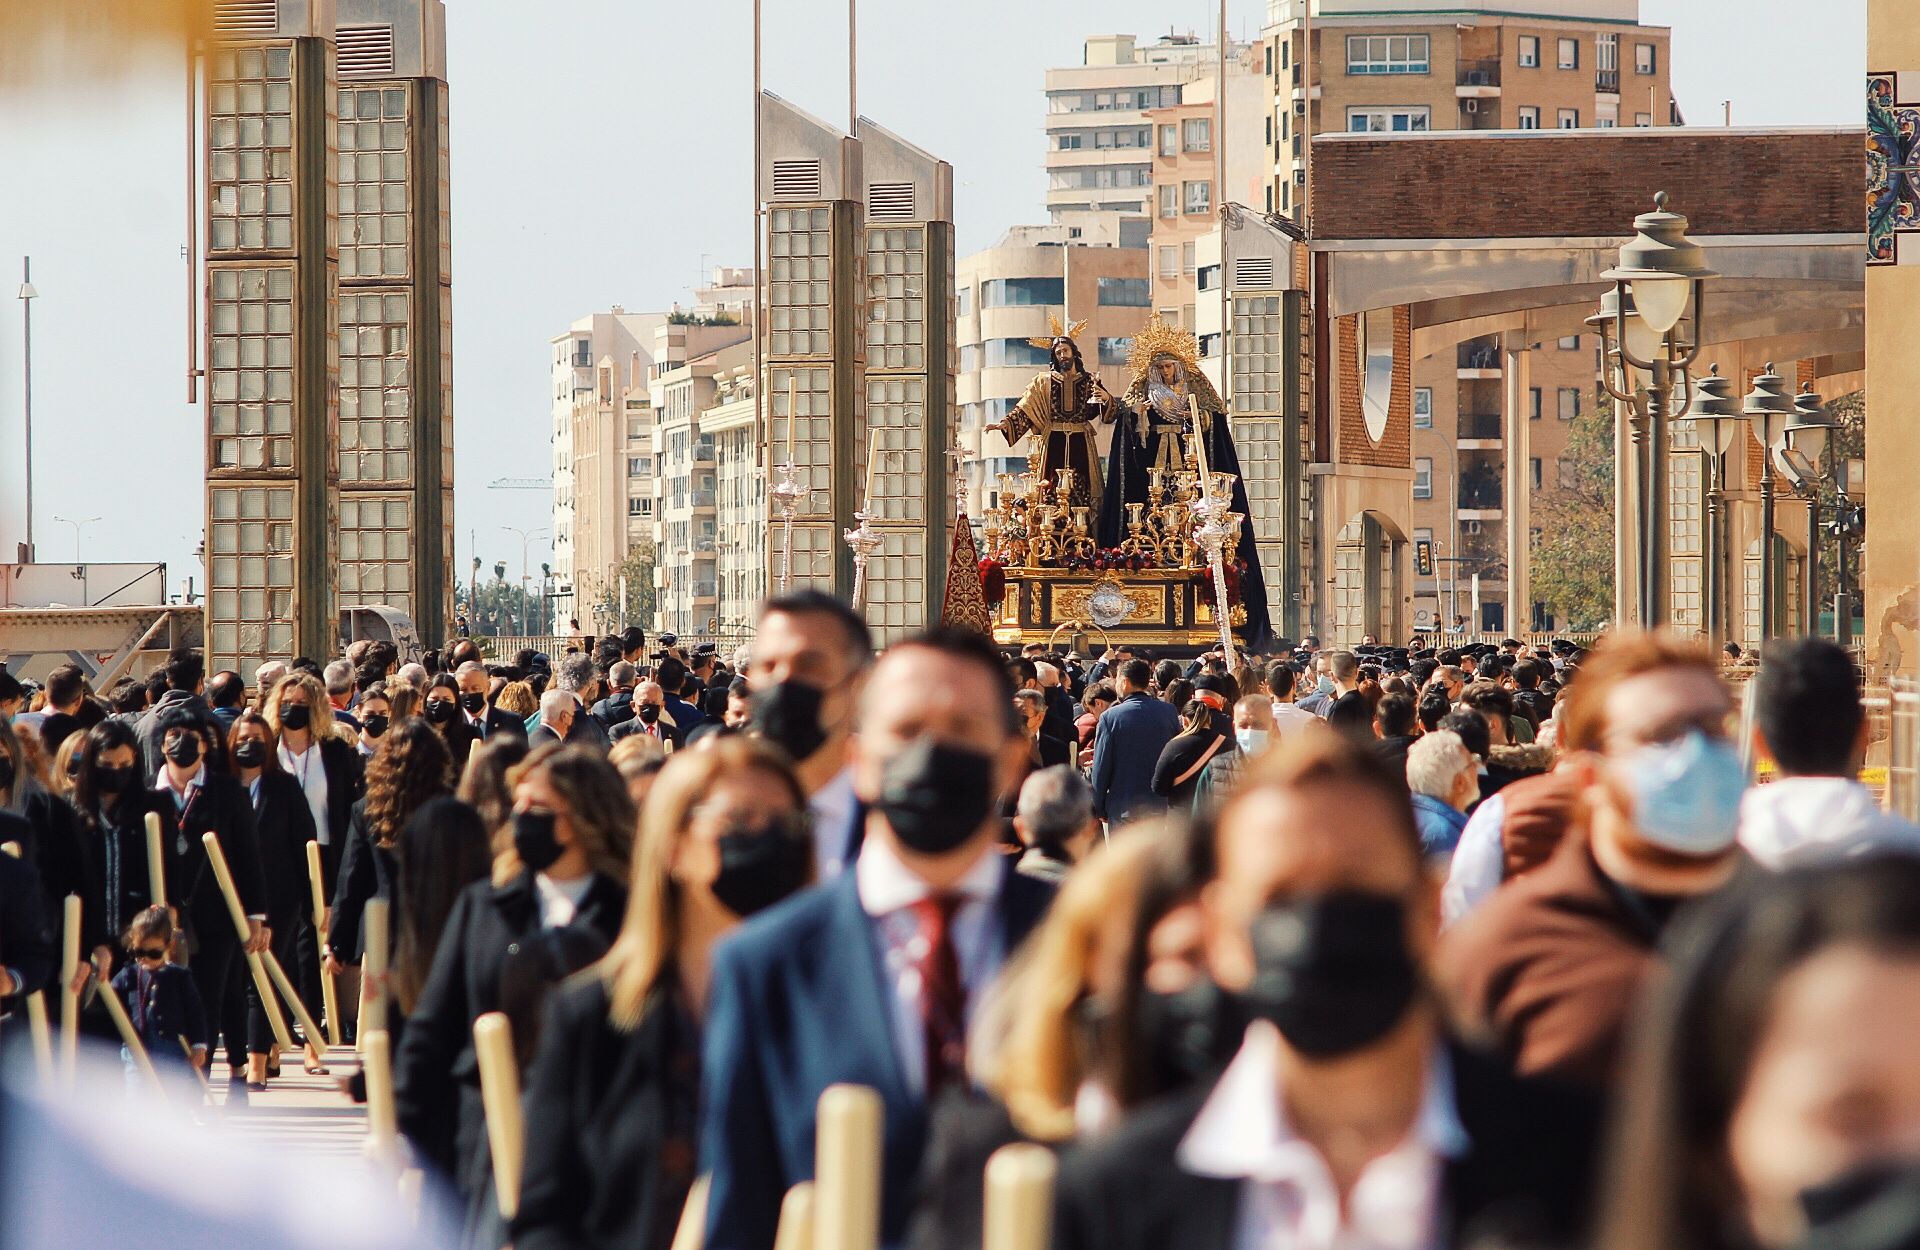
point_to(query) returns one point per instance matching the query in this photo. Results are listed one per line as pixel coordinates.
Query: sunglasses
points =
(151, 952)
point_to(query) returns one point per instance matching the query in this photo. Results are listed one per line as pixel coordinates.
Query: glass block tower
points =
(270, 346)
(395, 311)
(910, 377)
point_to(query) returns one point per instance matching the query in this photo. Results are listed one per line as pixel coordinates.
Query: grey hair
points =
(414, 675)
(471, 666)
(574, 673)
(1435, 761)
(1033, 697)
(553, 702)
(622, 674)
(339, 677)
(1055, 803)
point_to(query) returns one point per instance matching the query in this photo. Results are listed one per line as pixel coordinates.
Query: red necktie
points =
(943, 999)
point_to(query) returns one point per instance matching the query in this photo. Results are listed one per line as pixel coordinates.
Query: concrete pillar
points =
(1626, 516)
(1517, 435)
(1892, 582)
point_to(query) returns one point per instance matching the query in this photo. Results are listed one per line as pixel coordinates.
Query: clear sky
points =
(601, 155)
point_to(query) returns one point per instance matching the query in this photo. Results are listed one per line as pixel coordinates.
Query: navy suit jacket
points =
(1126, 748)
(798, 1000)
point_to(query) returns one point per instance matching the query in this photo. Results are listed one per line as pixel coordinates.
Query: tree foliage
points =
(499, 607)
(603, 592)
(1573, 552)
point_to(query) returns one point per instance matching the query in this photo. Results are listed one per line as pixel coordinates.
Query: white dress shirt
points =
(833, 807)
(1479, 865)
(888, 891)
(310, 771)
(1288, 1199)
(1802, 820)
(559, 900)
(183, 796)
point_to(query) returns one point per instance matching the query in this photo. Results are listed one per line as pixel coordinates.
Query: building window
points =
(1569, 403)
(1387, 54)
(1529, 117)
(1187, 257)
(376, 545)
(1569, 119)
(963, 301)
(969, 357)
(1209, 277)
(373, 183)
(1534, 399)
(1383, 120)
(1643, 120)
(1606, 123)
(250, 149)
(583, 353)
(1644, 58)
(1197, 134)
(1022, 292)
(1197, 197)
(1569, 54)
(1571, 343)
(1124, 293)
(251, 370)
(1423, 407)
(1169, 261)
(1423, 477)
(1529, 52)
(1114, 351)
(800, 257)
(1209, 346)
(1002, 353)
(1534, 466)
(639, 466)
(1169, 200)
(1169, 140)
(1068, 143)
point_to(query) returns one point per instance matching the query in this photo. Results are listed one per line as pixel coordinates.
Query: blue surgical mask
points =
(1325, 685)
(1686, 793)
(1251, 740)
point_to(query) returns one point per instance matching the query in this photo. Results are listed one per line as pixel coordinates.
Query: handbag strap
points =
(1200, 763)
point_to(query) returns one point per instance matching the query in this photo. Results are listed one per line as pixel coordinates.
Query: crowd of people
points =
(1383, 947)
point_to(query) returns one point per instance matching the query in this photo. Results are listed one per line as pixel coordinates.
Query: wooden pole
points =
(329, 995)
(796, 1219)
(1019, 1211)
(846, 1169)
(69, 996)
(261, 985)
(36, 1009)
(141, 1060)
(10, 848)
(382, 1120)
(308, 1024)
(206, 1086)
(500, 1096)
(373, 967)
(691, 1231)
(156, 863)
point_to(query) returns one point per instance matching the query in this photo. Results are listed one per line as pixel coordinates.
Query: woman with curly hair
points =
(411, 767)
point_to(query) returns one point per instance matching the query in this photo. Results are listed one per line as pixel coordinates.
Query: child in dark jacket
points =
(159, 995)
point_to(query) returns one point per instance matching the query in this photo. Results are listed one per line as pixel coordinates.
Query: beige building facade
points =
(1186, 203)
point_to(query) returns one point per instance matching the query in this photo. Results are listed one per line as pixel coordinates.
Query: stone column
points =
(1517, 435)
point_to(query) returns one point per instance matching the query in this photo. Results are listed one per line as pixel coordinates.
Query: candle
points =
(217, 859)
(381, 1113)
(373, 966)
(69, 997)
(1200, 448)
(156, 865)
(846, 1169)
(500, 1096)
(329, 996)
(792, 413)
(796, 1220)
(873, 465)
(1019, 1210)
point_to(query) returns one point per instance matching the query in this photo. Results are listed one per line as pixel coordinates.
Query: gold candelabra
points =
(1034, 526)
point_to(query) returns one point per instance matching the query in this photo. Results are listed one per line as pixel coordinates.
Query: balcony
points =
(1477, 79)
(704, 592)
(1478, 360)
(1480, 493)
(1607, 81)
(703, 453)
(701, 499)
(1481, 427)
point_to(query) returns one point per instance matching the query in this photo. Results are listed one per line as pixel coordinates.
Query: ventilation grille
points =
(365, 49)
(796, 180)
(1253, 273)
(890, 201)
(246, 17)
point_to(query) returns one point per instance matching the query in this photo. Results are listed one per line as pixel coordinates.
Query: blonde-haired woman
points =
(613, 1091)
(554, 902)
(326, 764)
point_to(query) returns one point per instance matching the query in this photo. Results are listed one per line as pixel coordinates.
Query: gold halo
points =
(1157, 338)
(1073, 332)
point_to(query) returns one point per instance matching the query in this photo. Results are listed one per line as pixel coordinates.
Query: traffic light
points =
(1423, 557)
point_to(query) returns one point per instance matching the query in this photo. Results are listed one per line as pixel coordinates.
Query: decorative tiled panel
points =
(1893, 168)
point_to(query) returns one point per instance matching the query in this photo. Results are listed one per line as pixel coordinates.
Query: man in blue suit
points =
(1127, 745)
(871, 978)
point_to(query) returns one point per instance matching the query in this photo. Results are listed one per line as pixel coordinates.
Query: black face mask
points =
(787, 714)
(1189, 1033)
(648, 712)
(375, 724)
(440, 711)
(250, 754)
(1332, 971)
(759, 867)
(936, 797)
(473, 702)
(1873, 1207)
(184, 750)
(296, 716)
(533, 840)
(112, 779)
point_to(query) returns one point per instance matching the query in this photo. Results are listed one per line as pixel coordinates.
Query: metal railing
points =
(1480, 72)
(1482, 425)
(1478, 493)
(1607, 80)
(1479, 356)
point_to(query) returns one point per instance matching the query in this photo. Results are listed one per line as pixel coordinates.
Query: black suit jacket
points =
(116, 866)
(436, 1077)
(1527, 1174)
(1053, 750)
(610, 1122)
(284, 825)
(367, 871)
(26, 934)
(220, 806)
(50, 839)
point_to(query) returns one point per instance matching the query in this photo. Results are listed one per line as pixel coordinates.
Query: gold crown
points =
(1157, 338)
(1073, 331)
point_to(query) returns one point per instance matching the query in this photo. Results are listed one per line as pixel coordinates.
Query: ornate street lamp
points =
(1716, 414)
(1769, 406)
(1808, 436)
(1661, 272)
(1848, 523)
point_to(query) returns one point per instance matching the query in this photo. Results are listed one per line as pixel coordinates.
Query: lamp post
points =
(27, 296)
(1807, 439)
(1768, 406)
(526, 538)
(500, 601)
(1849, 521)
(1716, 407)
(1661, 272)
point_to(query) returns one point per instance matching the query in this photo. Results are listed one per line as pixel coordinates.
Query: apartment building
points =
(1100, 135)
(1014, 291)
(710, 501)
(1186, 203)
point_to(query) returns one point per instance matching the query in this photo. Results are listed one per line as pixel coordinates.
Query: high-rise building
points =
(395, 310)
(1013, 292)
(1100, 137)
(271, 350)
(1418, 65)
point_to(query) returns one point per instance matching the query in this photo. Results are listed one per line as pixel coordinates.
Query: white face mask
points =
(1251, 740)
